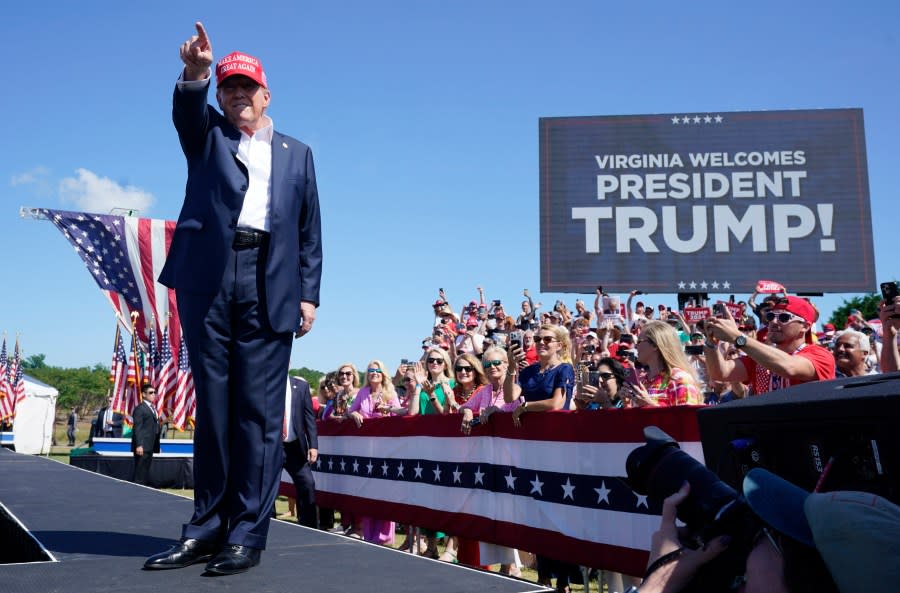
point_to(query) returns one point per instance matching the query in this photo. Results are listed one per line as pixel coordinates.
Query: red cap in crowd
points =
(799, 307)
(238, 63)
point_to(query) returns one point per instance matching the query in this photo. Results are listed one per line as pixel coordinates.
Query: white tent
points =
(33, 427)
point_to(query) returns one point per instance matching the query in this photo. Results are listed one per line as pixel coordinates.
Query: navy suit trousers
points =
(301, 473)
(239, 365)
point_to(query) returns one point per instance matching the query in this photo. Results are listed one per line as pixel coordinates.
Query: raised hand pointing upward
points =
(196, 53)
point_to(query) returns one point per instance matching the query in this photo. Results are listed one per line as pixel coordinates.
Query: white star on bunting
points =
(568, 490)
(602, 493)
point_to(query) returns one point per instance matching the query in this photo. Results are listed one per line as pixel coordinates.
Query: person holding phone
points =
(670, 378)
(611, 384)
(795, 359)
(889, 314)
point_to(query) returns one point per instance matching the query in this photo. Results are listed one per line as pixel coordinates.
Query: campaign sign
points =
(707, 202)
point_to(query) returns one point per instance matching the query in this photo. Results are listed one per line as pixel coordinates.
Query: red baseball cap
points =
(238, 63)
(799, 307)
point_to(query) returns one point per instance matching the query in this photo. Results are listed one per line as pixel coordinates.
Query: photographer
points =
(820, 542)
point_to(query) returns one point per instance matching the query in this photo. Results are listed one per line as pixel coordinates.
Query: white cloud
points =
(35, 176)
(36, 182)
(92, 193)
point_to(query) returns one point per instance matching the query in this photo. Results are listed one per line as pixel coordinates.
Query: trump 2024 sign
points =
(707, 202)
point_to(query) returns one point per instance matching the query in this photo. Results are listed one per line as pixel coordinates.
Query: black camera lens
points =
(659, 469)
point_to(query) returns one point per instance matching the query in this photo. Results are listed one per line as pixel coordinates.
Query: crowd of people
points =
(482, 360)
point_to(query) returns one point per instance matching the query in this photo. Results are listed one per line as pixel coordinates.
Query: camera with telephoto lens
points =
(713, 508)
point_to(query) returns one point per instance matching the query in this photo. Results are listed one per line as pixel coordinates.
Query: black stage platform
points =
(99, 531)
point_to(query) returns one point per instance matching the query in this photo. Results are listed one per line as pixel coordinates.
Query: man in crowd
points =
(851, 348)
(71, 423)
(145, 435)
(301, 447)
(794, 359)
(246, 263)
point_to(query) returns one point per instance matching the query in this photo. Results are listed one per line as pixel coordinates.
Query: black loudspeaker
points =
(843, 433)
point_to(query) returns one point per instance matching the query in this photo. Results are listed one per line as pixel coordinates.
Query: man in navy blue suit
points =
(301, 448)
(246, 262)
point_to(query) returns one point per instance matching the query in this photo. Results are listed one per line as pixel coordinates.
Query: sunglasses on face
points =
(782, 317)
(463, 369)
(606, 376)
(376, 371)
(434, 360)
(545, 339)
(492, 363)
(346, 373)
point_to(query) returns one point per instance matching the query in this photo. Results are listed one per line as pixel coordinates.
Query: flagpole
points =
(137, 363)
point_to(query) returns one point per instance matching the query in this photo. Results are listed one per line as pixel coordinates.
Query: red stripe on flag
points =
(145, 249)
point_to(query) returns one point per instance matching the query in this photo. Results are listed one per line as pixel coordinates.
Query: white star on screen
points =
(384, 468)
(437, 473)
(418, 470)
(355, 466)
(641, 500)
(400, 470)
(510, 480)
(718, 119)
(537, 485)
(479, 476)
(369, 467)
(707, 119)
(675, 120)
(343, 465)
(457, 476)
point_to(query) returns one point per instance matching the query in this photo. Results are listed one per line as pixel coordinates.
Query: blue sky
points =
(423, 118)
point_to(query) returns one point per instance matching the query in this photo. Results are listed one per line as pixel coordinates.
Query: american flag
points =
(166, 379)
(5, 398)
(125, 255)
(185, 401)
(117, 374)
(132, 381)
(555, 486)
(153, 360)
(15, 386)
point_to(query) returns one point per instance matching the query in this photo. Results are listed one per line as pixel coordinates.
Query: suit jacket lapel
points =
(279, 166)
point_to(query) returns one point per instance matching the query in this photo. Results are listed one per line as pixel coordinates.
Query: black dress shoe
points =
(233, 559)
(189, 551)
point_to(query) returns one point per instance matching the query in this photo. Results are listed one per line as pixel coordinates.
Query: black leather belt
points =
(247, 238)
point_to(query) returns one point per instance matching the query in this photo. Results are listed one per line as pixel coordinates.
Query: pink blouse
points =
(367, 406)
(485, 398)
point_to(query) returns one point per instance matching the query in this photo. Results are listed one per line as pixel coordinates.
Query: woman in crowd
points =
(347, 388)
(470, 378)
(375, 400)
(433, 395)
(487, 400)
(547, 384)
(606, 393)
(670, 380)
(434, 385)
(544, 386)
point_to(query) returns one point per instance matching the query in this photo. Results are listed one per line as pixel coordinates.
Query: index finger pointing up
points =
(201, 33)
